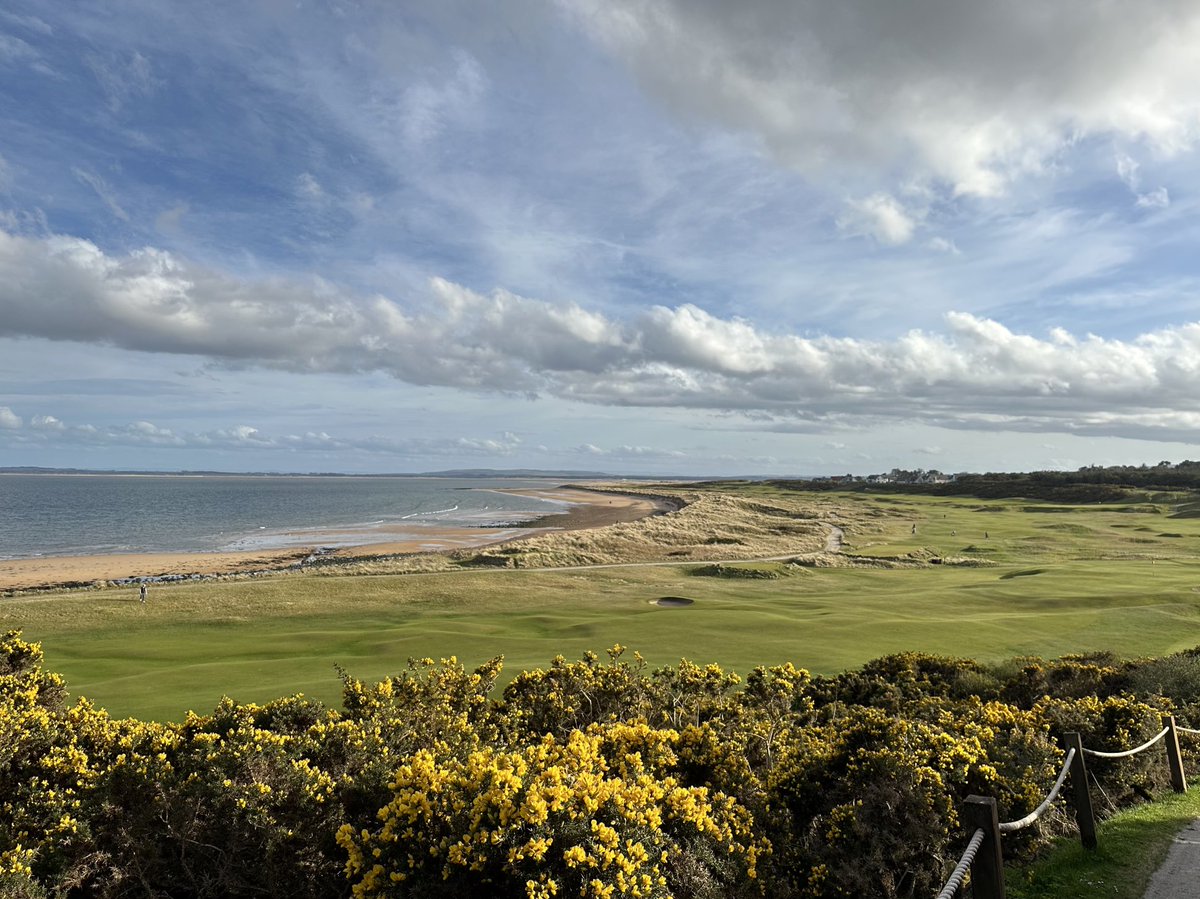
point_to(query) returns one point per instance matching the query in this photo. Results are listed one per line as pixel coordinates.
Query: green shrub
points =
(1112, 724)
(738, 571)
(1071, 677)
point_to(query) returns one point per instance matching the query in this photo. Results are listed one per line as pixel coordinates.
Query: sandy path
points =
(586, 509)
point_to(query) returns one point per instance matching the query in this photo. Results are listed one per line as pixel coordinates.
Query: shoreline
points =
(583, 509)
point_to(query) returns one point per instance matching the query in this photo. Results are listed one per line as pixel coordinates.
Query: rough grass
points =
(759, 571)
(261, 638)
(710, 527)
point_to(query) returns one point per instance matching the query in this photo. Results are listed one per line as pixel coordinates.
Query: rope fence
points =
(1010, 826)
(950, 890)
(983, 856)
(1120, 755)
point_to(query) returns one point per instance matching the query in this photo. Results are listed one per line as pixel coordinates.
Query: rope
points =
(1186, 730)
(1112, 806)
(1120, 755)
(960, 870)
(1010, 826)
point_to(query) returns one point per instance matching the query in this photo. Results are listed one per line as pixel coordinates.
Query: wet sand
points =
(587, 509)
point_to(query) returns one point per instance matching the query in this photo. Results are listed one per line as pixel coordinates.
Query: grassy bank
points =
(1132, 845)
(1013, 579)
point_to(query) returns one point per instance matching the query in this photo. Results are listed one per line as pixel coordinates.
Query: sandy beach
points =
(582, 509)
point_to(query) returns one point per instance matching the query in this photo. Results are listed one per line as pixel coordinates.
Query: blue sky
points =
(677, 237)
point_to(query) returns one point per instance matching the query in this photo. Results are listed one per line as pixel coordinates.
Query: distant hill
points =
(517, 473)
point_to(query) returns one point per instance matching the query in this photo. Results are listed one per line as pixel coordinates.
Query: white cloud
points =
(45, 429)
(879, 216)
(46, 423)
(361, 204)
(625, 451)
(152, 430)
(942, 245)
(1128, 169)
(139, 433)
(171, 220)
(974, 373)
(426, 108)
(308, 187)
(1155, 199)
(505, 445)
(103, 190)
(30, 23)
(14, 50)
(122, 78)
(242, 435)
(972, 94)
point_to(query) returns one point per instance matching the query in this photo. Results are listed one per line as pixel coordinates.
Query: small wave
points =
(434, 512)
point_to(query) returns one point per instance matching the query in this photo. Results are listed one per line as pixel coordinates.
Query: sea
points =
(91, 514)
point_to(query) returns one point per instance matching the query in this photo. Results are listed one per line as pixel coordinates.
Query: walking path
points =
(1179, 876)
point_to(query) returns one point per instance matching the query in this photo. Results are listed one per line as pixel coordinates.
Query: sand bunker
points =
(673, 602)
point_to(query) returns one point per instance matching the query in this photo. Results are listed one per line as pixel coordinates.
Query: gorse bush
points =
(593, 778)
(579, 817)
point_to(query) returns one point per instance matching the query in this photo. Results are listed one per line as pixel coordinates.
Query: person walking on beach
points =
(142, 592)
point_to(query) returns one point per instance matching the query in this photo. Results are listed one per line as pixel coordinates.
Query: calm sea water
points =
(44, 515)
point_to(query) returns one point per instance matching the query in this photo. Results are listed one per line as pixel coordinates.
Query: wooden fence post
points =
(1084, 816)
(1174, 759)
(987, 871)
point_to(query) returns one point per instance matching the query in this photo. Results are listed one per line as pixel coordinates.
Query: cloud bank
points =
(47, 430)
(975, 374)
(43, 429)
(971, 94)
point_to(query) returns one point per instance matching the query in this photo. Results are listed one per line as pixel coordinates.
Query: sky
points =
(687, 237)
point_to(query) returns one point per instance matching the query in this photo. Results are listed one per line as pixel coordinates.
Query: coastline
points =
(583, 509)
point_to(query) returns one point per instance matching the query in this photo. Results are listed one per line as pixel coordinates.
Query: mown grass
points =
(1053, 583)
(1131, 846)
